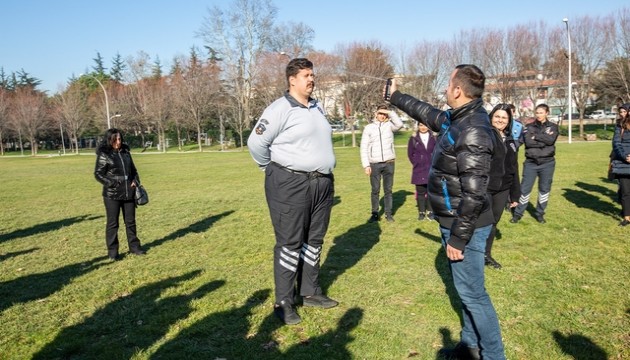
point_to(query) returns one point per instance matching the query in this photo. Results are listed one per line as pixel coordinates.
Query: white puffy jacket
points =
(377, 141)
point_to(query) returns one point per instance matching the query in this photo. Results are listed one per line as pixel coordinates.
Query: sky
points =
(54, 40)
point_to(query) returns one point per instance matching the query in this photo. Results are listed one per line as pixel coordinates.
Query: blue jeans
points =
(481, 325)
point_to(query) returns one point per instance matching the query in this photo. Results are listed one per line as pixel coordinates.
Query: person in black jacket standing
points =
(116, 171)
(540, 162)
(508, 187)
(460, 172)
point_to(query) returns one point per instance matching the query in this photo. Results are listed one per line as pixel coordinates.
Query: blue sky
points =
(55, 39)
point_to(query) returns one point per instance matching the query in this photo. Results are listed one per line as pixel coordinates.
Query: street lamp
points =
(566, 21)
(113, 116)
(109, 125)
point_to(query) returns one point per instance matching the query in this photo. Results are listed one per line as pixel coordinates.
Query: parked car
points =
(336, 127)
(599, 114)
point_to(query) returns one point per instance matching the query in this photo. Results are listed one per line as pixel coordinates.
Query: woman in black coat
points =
(116, 171)
(621, 164)
(509, 187)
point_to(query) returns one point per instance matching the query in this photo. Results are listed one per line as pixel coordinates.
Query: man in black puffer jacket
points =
(458, 180)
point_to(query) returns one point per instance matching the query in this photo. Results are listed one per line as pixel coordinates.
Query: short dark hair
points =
(295, 65)
(508, 109)
(382, 107)
(513, 109)
(543, 106)
(471, 79)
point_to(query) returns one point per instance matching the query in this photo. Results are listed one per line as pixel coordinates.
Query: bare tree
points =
(365, 68)
(592, 38)
(240, 36)
(72, 113)
(194, 87)
(426, 76)
(4, 117)
(293, 39)
(29, 114)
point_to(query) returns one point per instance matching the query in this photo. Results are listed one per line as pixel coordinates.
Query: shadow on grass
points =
(579, 347)
(229, 335)
(582, 199)
(347, 250)
(17, 253)
(612, 195)
(398, 199)
(128, 324)
(198, 227)
(39, 286)
(443, 268)
(332, 344)
(447, 342)
(224, 334)
(45, 227)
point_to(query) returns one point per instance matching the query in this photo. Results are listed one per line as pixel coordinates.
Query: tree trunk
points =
(199, 136)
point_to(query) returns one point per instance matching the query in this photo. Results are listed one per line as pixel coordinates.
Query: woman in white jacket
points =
(378, 157)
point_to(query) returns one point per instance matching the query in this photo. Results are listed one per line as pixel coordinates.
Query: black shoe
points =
(624, 222)
(389, 218)
(138, 252)
(540, 218)
(489, 261)
(430, 216)
(373, 218)
(421, 216)
(321, 301)
(515, 219)
(460, 352)
(286, 313)
(114, 258)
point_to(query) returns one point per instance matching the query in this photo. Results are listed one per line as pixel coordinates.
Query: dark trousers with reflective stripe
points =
(300, 207)
(544, 173)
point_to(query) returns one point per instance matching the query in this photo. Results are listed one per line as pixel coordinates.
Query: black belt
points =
(121, 178)
(310, 174)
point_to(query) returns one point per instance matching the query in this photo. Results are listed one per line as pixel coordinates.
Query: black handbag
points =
(142, 197)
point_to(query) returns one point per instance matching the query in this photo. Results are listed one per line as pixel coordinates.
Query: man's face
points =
(303, 83)
(382, 115)
(452, 91)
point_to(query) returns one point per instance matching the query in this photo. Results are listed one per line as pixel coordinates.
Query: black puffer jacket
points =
(510, 179)
(461, 165)
(540, 141)
(116, 171)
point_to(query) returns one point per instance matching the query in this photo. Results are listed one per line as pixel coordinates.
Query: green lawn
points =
(205, 289)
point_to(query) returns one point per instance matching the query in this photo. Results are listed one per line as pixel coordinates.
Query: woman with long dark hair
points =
(509, 189)
(118, 174)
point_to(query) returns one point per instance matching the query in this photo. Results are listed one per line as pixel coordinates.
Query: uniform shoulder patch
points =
(260, 129)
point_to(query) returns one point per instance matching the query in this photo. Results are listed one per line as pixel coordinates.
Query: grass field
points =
(205, 289)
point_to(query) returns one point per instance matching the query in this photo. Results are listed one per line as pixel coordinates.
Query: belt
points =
(121, 178)
(386, 162)
(310, 174)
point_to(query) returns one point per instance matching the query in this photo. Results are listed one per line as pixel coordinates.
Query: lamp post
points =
(109, 125)
(110, 118)
(566, 21)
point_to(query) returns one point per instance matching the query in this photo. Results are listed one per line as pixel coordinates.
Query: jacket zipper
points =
(125, 173)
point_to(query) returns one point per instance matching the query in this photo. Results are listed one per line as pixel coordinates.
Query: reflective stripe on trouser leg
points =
(287, 207)
(545, 179)
(322, 192)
